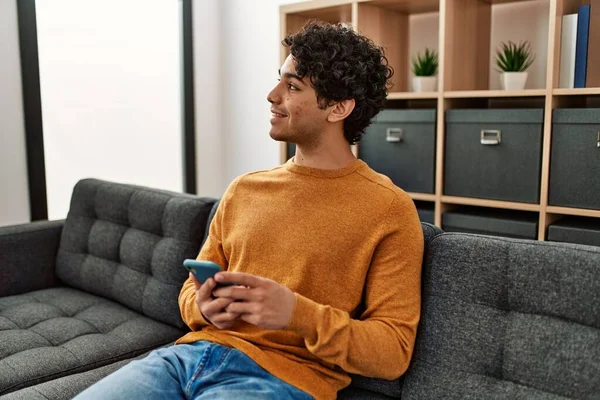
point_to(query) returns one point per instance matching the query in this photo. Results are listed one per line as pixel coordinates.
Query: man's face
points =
(295, 113)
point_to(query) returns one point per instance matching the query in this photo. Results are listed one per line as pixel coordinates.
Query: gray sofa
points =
(95, 289)
(502, 318)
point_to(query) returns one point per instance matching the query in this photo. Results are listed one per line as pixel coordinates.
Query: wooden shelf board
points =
(315, 5)
(505, 1)
(465, 94)
(406, 6)
(412, 95)
(575, 92)
(467, 201)
(573, 211)
(422, 196)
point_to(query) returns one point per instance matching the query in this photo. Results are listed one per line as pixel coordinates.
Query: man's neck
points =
(324, 157)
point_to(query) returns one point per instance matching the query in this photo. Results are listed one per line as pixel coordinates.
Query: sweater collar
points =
(291, 166)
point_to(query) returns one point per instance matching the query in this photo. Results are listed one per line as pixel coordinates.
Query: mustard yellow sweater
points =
(349, 244)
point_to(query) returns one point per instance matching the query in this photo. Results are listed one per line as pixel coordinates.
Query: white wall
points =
(110, 76)
(14, 190)
(516, 22)
(250, 61)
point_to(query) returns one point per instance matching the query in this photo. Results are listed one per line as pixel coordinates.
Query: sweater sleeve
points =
(212, 250)
(381, 342)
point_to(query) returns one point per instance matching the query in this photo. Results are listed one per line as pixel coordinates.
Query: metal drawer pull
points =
(490, 137)
(598, 142)
(394, 135)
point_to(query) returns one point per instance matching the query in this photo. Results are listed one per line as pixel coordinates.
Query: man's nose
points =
(273, 97)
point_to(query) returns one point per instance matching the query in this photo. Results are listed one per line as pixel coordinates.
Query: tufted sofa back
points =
(127, 243)
(507, 319)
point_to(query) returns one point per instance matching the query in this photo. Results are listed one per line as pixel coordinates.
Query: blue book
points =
(581, 48)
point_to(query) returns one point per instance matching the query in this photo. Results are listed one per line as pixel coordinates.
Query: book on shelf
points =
(581, 48)
(567, 51)
(593, 58)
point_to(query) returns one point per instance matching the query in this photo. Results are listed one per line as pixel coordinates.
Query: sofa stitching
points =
(488, 376)
(11, 321)
(79, 369)
(152, 276)
(564, 319)
(40, 393)
(524, 242)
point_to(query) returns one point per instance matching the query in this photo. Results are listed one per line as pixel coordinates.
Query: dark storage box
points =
(495, 222)
(426, 211)
(494, 154)
(401, 145)
(575, 158)
(579, 230)
(291, 150)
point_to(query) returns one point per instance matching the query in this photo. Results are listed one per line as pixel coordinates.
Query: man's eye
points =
(292, 87)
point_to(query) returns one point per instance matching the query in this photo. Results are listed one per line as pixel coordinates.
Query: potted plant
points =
(425, 68)
(513, 59)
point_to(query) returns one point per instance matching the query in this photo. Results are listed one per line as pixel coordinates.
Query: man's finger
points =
(239, 278)
(222, 318)
(206, 289)
(233, 292)
(197, 284)
(241, 308)
(215, 306)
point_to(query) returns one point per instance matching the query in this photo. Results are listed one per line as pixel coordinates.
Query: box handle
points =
(394, 135)
(490, 137)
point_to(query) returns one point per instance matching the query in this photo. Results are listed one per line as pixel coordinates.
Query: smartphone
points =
(203, 270)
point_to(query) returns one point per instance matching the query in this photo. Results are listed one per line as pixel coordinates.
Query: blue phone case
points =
(203, 270)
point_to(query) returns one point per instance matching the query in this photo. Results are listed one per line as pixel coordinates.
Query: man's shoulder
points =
(256, 176)
(382, 185)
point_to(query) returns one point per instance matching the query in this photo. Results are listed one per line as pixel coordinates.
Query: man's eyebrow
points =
(289, 75)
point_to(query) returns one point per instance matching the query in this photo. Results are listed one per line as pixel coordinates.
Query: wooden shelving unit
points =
(464, 48)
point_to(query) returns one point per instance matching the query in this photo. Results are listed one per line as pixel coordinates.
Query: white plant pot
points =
(424, 83)
(513, 80)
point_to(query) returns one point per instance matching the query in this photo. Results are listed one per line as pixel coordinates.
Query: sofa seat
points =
(50, 333)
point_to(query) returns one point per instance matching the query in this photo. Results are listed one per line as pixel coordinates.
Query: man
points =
(324, 253)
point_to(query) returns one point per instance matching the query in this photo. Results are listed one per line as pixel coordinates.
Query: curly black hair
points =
(342, 65)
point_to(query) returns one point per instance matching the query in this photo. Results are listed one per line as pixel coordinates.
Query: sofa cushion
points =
(507, 318)
(70, 386)
(386, 387)
(128, 243)
(59, 331)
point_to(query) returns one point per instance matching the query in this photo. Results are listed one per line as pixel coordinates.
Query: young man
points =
(325, 253)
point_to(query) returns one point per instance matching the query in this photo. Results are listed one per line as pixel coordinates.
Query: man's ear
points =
(341, 110)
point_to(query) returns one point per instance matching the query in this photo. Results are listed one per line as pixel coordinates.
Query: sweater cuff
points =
(303, 320)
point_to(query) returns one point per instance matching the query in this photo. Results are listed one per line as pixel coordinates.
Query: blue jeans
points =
(201, 370)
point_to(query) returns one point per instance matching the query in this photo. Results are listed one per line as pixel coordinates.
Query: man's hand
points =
(213, 309)
(263, 302)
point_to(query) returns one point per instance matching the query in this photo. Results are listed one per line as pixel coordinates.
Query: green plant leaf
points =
(512, 57)
(426, 64)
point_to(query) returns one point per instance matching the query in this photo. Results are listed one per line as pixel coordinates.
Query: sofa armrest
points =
(28, 256)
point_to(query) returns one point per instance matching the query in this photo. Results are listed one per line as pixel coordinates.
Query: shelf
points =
(406, 6)
(309, 8)
(573, 211)
(412, 95)
(467, 201)
(504, 1)
(576, 92)
(422, 196)
(466, 94)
